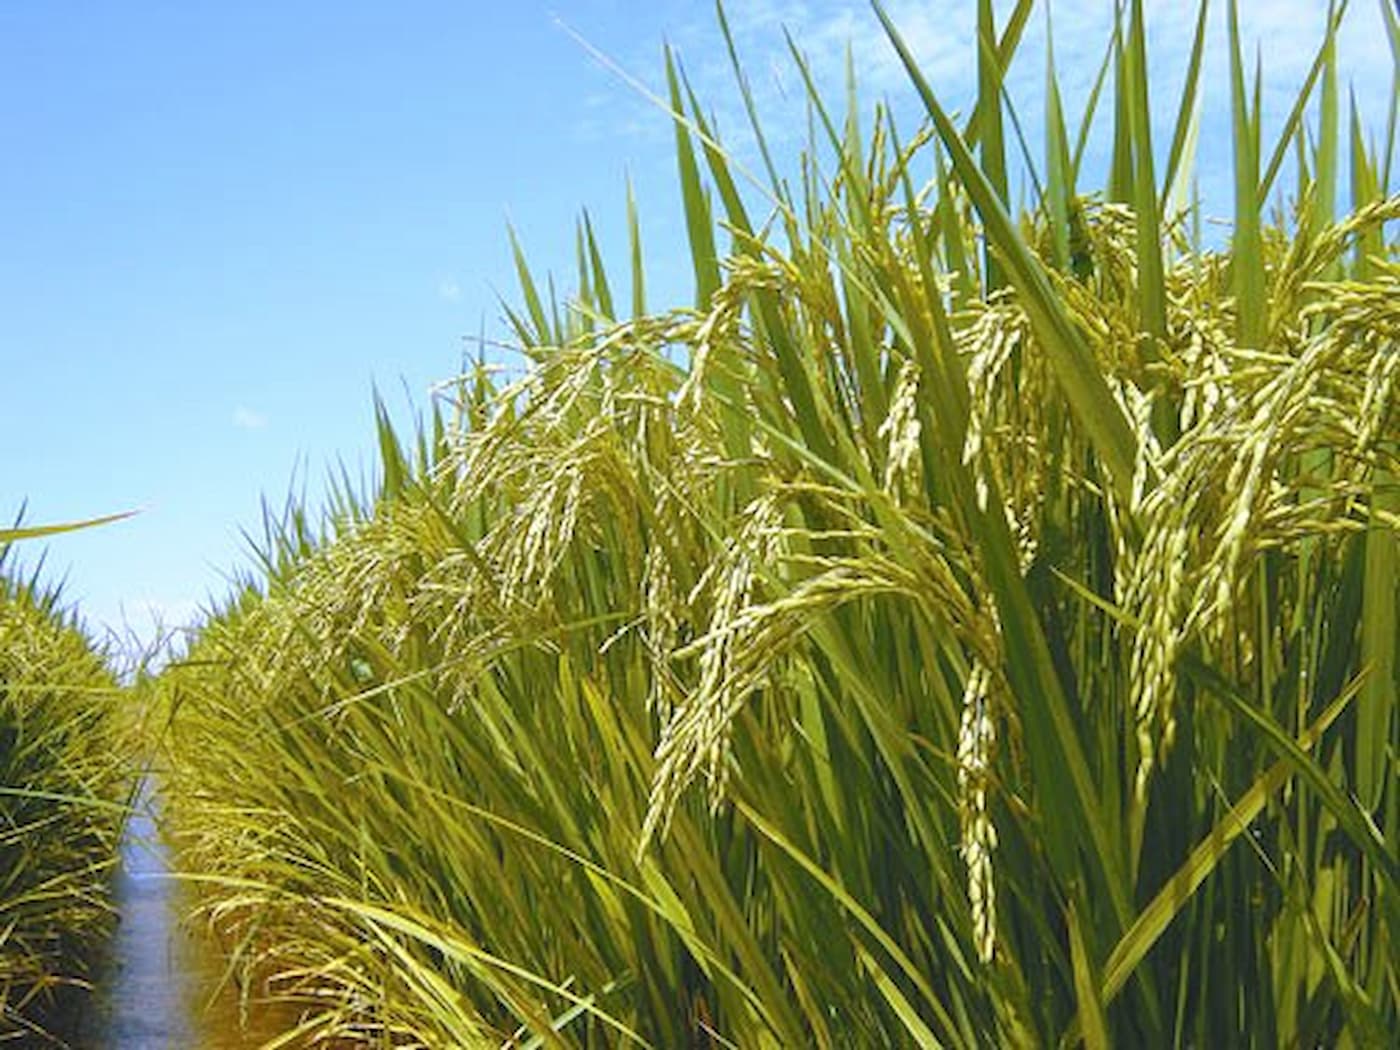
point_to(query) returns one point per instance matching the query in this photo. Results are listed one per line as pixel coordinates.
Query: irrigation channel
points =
(160, 985)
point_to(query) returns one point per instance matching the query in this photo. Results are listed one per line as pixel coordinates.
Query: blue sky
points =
(220, 225)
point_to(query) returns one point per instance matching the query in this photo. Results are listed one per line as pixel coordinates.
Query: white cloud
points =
(942, 37)
(449, 291)
(939, 36)
(1285, 35)
(245, 418)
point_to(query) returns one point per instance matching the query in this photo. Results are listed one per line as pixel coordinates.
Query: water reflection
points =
(160, 986)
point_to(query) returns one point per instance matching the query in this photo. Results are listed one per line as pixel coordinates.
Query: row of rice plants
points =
(951, 630)
(62, 803)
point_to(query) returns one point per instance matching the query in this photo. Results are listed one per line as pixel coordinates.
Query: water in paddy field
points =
(159, 989)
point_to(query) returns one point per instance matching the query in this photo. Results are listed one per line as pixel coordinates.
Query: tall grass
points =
(62, 795)
(954, 629)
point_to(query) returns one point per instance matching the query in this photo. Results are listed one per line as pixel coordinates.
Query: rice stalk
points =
(946, 629)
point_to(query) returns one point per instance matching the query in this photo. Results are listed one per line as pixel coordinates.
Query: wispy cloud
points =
(941, 36)
(245, 418)
(448, 290)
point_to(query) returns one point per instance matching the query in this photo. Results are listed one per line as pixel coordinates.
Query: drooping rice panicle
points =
(951, 629)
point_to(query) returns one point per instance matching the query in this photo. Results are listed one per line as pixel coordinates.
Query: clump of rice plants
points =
(62, 786)
(953, 629)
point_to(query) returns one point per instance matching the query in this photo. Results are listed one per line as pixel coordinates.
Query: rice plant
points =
(953, 629)
(62, 787)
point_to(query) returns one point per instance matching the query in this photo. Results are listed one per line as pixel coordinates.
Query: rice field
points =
(62, 803)
(962, 624)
